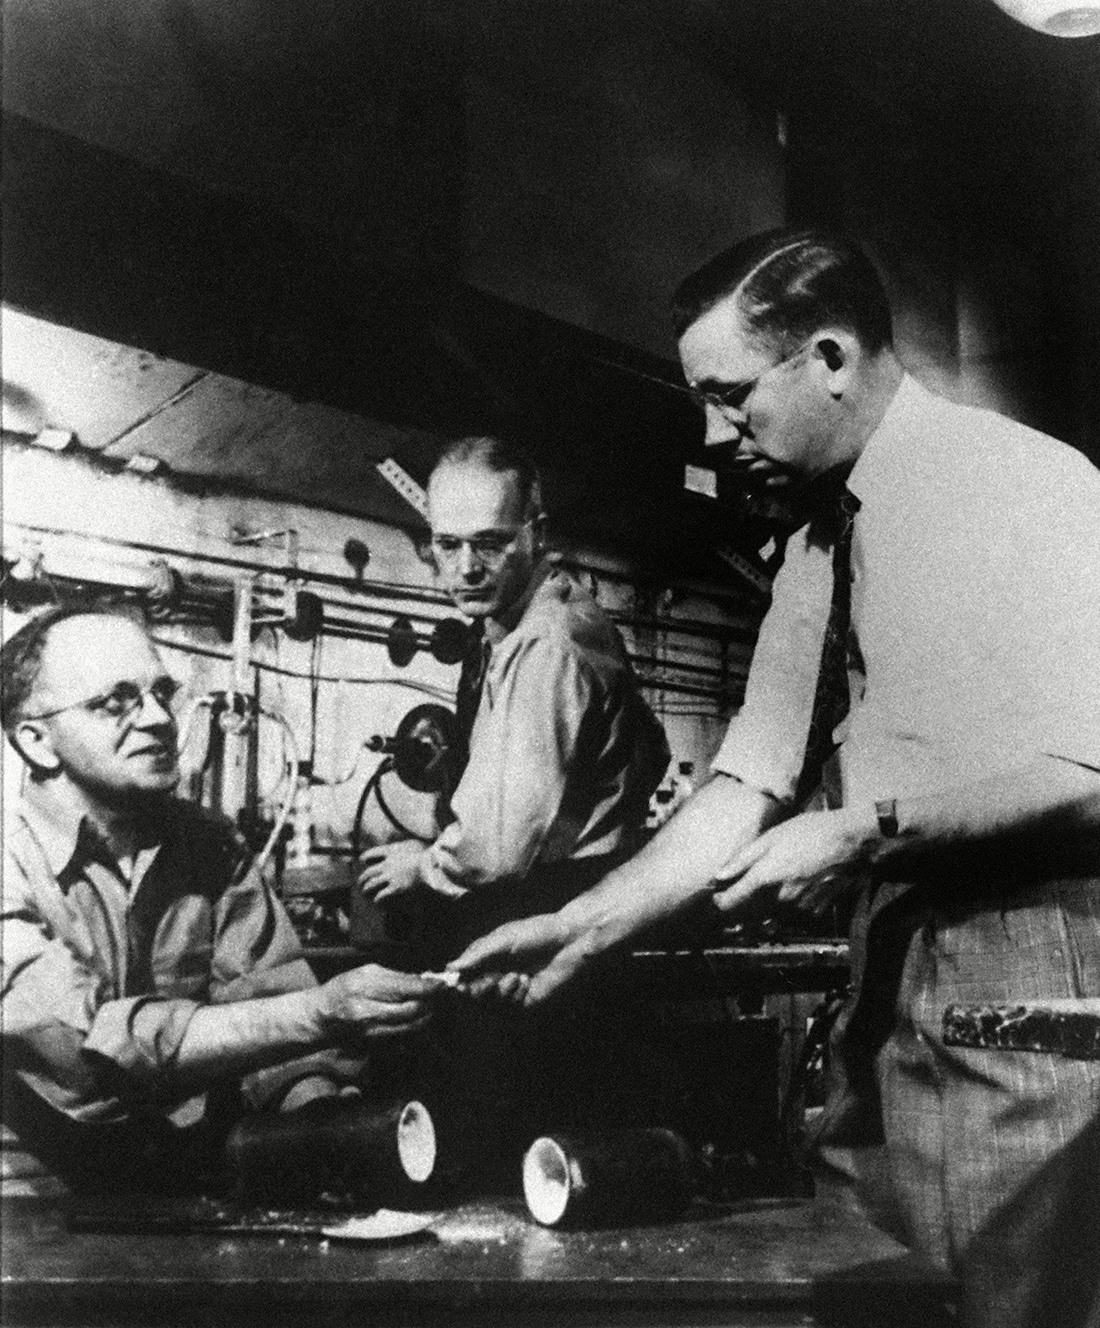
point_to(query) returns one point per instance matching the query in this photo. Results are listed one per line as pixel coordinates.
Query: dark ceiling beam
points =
(99, 243)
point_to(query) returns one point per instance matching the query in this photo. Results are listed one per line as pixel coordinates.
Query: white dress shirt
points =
(975, 602)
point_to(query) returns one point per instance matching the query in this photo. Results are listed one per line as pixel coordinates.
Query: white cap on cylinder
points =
(546, 1181)
(416, 1145)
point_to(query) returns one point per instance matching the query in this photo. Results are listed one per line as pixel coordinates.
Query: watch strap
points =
(886, 809)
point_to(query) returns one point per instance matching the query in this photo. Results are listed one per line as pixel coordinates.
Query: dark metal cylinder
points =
(359, 1151)
(608, 1179)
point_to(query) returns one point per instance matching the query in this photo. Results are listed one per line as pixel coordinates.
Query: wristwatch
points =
(886, 809)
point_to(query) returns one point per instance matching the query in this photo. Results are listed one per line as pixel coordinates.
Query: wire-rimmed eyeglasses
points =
(729, 397)
(124, 699)
(489, 548)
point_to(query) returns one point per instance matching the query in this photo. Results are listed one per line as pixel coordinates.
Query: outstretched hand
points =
(524, 962)
(371, 1001)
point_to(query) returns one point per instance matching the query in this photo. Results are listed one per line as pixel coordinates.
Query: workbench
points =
(775, 1262)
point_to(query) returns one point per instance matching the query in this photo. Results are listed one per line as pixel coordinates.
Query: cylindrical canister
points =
(608, 1179)
(364, 1152)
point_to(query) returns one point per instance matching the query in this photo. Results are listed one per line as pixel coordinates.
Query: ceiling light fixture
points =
(1056, 18)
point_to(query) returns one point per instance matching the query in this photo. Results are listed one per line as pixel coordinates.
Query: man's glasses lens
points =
(727, 398)
(486, 548)
(122, 700)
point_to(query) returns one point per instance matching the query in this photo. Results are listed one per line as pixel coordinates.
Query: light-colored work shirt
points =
(564, 752)
(102, 967)
(975, 603)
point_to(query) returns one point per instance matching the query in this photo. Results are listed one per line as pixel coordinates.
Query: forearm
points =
(494, 839)
(675, 868)
(1048, 811)
(242, 1036)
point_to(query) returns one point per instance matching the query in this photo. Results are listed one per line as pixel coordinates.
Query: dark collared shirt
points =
(564, 752)
(104, 964)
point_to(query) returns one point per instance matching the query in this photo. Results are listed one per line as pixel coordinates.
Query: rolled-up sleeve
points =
(63, 1031)
(520, 753)
(765, 744)
(95, 1049)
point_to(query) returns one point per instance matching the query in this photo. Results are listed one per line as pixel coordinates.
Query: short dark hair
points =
(788, 285)
(21, 653)
(502, 457)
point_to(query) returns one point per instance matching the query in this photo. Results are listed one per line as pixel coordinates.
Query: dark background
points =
(450, 215)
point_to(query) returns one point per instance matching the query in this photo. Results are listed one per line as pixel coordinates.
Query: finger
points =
(397, 1030)
(742, 861)
(791, 893)
(513, 987)
(388, 1013)
(546, 984)
(735, 867)
(373, 982)
(390, 891)
(491, 952)
(737, 894)
(374, 854)
(371, 879)
(483, 988)
(507, 988)
(821, 894)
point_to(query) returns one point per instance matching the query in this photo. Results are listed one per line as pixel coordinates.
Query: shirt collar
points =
(892, 437)
(66, 832)
(58, 823)
(496, 629)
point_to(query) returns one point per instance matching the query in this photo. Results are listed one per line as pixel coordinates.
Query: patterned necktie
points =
(471, 680)
(832, 698)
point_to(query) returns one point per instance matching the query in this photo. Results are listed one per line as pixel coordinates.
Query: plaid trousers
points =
(993, 1156)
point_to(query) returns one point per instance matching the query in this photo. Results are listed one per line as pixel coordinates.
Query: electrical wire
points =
(438, 693)
(387, 810)
(373, 785)
(292, 765)
(314, 695)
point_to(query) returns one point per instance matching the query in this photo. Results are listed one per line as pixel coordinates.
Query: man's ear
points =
(31, 739)
(837, 349)
(538, 529)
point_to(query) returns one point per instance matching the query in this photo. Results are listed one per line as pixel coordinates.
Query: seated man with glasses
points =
(563, 752)
(149, 978)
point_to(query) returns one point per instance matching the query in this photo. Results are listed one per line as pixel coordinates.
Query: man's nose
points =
(153, 713)
(469, 564)
(723, 427)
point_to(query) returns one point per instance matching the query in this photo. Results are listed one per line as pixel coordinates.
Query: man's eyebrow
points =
(133, 682)
(478, 534)
(709, 384)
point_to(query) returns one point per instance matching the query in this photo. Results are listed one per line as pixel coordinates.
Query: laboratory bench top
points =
(774, 1261)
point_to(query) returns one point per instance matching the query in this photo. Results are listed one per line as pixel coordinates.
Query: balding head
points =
(87, 701)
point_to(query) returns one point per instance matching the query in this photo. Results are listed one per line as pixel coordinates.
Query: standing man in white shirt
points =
(970, 764)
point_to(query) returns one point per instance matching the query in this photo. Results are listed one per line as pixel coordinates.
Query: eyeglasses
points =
(489, 549)
(732, 396)
(122, 701)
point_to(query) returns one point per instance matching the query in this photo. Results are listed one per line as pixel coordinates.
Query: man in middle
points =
(563, 753)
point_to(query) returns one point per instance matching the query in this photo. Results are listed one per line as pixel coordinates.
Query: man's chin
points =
(476, 608)
(157, 784)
